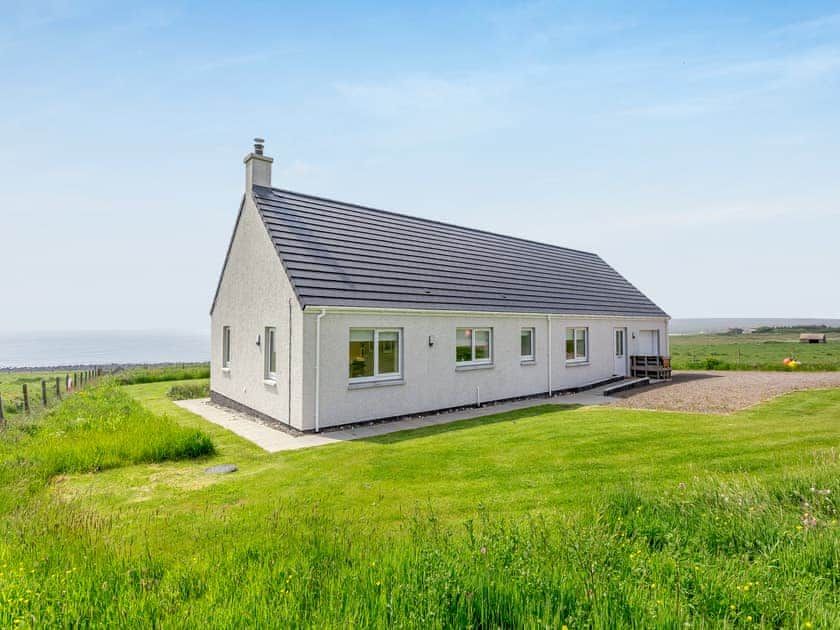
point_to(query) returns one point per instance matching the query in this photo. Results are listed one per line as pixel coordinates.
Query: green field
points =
(545, 517)
(11, 388)
(757, 351)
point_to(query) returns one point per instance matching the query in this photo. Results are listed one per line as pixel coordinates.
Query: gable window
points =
(473, 345)
(375, 354)
(271, 354)
(577, 344)
(226, 347)
(526, 344)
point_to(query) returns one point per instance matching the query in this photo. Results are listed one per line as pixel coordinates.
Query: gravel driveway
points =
(723, 392)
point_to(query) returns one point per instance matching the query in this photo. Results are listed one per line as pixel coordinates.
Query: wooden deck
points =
(653, 367)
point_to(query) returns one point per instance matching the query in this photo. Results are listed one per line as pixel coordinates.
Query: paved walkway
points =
(274, 440)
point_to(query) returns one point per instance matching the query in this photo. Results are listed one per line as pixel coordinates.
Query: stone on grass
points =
(221, 469)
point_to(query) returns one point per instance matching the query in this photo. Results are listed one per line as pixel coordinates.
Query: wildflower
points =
(483, 551)
(565, 628)
(808, 624)
(749, 617)
(731, 606)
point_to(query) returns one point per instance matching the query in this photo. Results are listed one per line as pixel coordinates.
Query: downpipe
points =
(318, 370)
(548, 320)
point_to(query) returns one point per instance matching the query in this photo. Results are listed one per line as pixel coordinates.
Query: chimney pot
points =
(259, 145)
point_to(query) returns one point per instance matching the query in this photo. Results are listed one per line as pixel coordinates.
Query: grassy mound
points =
(94, 430)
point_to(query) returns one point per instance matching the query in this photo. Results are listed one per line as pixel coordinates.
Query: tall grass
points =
(709, 553)
(95, 429)
(138, 375)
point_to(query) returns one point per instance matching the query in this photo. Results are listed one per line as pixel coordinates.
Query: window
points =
(473, 345)
(226, 346)
(270, 354)
(526, 344)
(374, 353)
(577, 342)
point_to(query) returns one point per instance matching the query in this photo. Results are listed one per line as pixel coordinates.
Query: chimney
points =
(257, 167)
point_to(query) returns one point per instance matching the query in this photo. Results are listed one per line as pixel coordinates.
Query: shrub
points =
(187, 391)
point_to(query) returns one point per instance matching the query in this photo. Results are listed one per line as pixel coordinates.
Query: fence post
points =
(2, 414)
(44, 391)
(26, 398)
(58, 387)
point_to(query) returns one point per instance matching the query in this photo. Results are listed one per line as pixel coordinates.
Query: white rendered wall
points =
(255, 293)
(431, 378)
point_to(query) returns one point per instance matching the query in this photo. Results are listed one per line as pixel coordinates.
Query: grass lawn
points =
(757, 351)
(585, 517)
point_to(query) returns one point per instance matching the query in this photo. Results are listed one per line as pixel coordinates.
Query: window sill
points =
(473, 366)
(385, 382)
(226, 370)
(577, 362)
(271, 382)
(527, 362)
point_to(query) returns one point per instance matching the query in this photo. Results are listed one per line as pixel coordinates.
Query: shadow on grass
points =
(469, 423)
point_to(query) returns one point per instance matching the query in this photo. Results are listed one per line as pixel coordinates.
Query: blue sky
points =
(695, 146)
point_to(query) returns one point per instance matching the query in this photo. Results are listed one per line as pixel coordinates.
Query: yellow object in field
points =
(793, 364)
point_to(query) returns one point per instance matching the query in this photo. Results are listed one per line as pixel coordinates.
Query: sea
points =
(105, 347)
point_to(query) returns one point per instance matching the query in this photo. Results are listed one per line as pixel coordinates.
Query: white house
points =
(329, 313)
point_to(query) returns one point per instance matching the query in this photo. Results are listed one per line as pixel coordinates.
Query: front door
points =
(620, 368)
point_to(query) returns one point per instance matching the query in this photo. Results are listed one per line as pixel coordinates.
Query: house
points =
(328, 313)
(812, 338)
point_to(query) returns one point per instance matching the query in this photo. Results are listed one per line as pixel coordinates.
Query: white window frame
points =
(270, 345)
(225, 347)
(575, 330)
(474, 361)
(387, 376)
(524, 358)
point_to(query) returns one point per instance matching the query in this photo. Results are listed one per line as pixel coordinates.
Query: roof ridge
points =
(426, 220)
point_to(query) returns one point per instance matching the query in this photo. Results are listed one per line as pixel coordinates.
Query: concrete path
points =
(275, 439)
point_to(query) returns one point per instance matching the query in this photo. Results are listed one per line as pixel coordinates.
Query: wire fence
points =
(40, 394)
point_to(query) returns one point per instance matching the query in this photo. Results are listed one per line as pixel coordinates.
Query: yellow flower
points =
(565, 628)
(808, 624)
(731, 606)
(749, 617)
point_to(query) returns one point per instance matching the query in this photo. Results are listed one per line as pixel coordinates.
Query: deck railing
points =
(650, 366)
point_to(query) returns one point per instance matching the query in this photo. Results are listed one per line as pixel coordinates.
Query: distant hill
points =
(722, 324)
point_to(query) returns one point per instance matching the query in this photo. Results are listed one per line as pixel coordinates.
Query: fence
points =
(51, 392)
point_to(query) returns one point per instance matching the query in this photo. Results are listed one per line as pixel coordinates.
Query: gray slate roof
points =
(340, 254)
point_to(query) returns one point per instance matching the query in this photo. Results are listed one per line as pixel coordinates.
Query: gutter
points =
(318, 370)
(379, 310)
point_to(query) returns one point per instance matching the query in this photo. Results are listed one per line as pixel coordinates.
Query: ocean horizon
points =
(38, 349)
